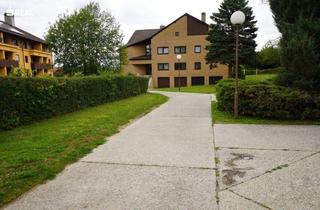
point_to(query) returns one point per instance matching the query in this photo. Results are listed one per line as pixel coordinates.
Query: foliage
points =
(268, 58)
(123, 57)
(298, 22)
(222, 35)
(86, 40)
(25, 100)
(20, 72)
(265, 100)
(32, 154)
(264, 71)
(228, 118)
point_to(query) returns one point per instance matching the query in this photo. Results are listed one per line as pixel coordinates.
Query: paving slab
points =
(231, 201)
(240, 165)
(296, 187)
(268, 136)
(178, 133)
(105, 186)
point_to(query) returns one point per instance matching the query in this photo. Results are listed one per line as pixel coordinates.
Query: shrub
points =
(25, 100)
(264, 71)
(20, 72)
(265, 100)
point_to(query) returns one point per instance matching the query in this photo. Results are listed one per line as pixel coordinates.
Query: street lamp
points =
(237, 19)
(179, 58)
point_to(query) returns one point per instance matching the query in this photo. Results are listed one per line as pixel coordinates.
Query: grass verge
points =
(219, 117)
(32, 154)
(208, 89)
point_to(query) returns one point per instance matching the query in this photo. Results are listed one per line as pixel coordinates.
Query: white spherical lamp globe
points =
(238, 18)
(179, 57)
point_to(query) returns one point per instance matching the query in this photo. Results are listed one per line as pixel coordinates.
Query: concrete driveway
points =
(166, 160)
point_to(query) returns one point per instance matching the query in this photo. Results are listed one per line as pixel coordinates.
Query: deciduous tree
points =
(86, 40)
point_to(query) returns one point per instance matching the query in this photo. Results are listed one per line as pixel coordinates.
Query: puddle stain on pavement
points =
(230, 174)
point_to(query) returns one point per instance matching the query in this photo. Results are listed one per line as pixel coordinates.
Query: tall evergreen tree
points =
(222, 35)
(298, 22)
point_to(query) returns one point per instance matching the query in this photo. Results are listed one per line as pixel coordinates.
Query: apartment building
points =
(19, 48)
(153, 52)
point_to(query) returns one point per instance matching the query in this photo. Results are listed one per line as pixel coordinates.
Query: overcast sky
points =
(35, 16)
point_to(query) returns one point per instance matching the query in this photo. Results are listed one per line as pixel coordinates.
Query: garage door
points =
(163, 82)
(197, 81)
(182, 82)
(214, 80)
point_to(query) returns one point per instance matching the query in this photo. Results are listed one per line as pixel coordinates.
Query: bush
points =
(264, 71)
(25, 100)
(265, 100)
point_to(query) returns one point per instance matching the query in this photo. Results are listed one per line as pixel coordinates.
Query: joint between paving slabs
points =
(285, 150)
(251, 200)
(147, 165)
(217, 162)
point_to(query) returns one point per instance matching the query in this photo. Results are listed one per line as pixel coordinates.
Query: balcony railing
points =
(9, 63)
(39, 66)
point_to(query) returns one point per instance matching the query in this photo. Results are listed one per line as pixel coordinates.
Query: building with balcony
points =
(153, 52)
(19, 48)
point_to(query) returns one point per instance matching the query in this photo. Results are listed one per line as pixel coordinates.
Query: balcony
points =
(40, 66)
(143, 57)
(9, 63)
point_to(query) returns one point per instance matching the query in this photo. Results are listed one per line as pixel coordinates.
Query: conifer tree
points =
(298, 22)
(222, 35)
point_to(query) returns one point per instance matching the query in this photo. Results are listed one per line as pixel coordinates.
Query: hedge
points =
(266, 100)
(25, 100)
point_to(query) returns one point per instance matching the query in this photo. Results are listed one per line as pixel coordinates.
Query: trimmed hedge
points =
(265, 100)
(25, 100)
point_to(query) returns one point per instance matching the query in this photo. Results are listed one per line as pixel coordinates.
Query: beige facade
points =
(185, 32)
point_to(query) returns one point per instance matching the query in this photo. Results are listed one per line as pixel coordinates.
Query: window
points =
(197, 65)
(180, 50)
(163, 66)
(163, 50)
(180, 66)
(148, 49)
(17, 58)
(197, 49)
(177, 33)
(26, 58)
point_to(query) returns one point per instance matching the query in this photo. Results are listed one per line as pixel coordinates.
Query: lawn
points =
(219, 117)
(209, 89)
(32, 154)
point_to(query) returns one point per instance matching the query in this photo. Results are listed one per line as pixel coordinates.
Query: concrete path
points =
(164, 160)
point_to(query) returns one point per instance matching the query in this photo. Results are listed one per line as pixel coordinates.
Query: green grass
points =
(219, 117)
(209, 89)
(261, 77)
(32, 154)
